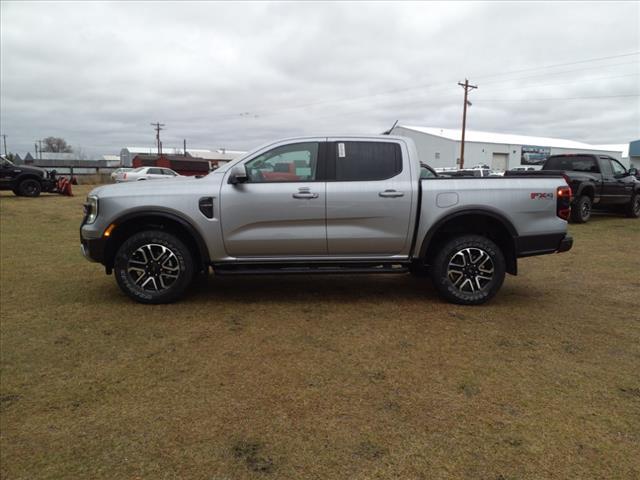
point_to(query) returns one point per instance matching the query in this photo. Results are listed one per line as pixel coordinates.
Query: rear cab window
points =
(575, 163)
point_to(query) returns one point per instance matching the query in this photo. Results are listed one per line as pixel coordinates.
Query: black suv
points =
(25, 180)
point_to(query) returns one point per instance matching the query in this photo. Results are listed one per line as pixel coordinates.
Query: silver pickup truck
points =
(325, 205)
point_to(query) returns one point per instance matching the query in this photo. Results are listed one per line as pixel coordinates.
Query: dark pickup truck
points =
(596, 181)
(25, 180)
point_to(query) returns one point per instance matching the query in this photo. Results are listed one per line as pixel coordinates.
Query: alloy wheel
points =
(470, 270)
(153, 267)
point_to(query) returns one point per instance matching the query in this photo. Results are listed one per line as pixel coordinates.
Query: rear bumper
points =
(565, 244)
(543, 244)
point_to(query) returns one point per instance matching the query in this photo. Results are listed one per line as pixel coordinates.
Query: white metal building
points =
(440, 147)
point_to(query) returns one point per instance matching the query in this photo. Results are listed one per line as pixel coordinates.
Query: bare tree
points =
(55, 144)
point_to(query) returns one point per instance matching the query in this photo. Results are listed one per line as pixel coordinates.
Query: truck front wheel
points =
(633, 209)
(153, 267)
(581, 210)
(468, 270)
(29, 188)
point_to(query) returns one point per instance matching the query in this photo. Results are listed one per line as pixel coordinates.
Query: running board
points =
(292, 269)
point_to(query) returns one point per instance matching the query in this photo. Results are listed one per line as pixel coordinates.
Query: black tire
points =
(468, 270)
(633, 208)
(152, 281)
(29, 187)
(581, 209)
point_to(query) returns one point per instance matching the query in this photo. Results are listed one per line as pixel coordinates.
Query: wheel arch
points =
(588, 189)
(468, 221)
(171, 222)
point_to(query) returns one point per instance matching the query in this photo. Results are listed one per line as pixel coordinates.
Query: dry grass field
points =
(327, 377)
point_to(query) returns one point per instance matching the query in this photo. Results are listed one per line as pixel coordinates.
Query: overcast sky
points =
(237, 75)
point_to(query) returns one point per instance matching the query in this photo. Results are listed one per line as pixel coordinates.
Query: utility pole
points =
(40, 143)
(36, 145)
(467, 88)
(157, 127)
(184, 147)
(4, 138)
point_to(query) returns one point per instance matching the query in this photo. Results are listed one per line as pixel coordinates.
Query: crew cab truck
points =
(325, 205)
(25, 180)
(597, 182)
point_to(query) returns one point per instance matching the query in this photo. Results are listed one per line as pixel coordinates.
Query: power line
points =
(630, 54)
(265, 112)
(496, 100)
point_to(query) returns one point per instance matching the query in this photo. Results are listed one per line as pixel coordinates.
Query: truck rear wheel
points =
(633, 209)
(468, 270)
(29, 188)
(153, 267)
(581, 210)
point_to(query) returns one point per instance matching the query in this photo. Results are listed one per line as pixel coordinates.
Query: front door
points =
(280, 210)
(369, 198)
(622, 185)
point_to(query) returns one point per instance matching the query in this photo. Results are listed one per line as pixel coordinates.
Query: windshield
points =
(139, 169)
(7, 162)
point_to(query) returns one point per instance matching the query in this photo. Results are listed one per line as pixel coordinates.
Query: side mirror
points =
(633, 171)
(238, 175)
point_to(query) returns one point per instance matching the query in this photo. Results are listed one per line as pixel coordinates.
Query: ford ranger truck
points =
(325, 205)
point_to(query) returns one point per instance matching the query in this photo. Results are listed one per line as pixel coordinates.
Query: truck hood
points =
(31, 169)
(150, 187)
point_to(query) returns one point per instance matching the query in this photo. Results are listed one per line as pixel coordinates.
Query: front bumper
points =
(93, 250)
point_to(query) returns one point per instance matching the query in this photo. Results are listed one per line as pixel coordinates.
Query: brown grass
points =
(322, 377)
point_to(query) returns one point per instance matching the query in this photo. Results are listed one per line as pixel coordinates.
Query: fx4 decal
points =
(541, 195)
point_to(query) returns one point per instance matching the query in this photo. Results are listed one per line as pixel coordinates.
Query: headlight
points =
(91, 209)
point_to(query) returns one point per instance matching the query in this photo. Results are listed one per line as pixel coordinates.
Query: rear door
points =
(609, 182)
(280, 210)
(369, 198)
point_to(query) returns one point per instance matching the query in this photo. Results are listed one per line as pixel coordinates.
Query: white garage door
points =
(499, 161)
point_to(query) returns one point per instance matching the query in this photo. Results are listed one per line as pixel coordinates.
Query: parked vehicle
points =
(25, 180)
(119, 171)
(597, 182)
(325, 205)
(145, 173)
(427, 172)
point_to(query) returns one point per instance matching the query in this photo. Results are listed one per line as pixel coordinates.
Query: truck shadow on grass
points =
(378, 288)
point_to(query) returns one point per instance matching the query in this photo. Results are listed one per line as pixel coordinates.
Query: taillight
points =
(124, 177)
(563, 202)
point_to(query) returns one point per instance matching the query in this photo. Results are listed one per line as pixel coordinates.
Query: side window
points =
(155, 171)
(166, 171)
(362, 161)
(617, 168)
(584, 164)
(297, 162)
(605, 164)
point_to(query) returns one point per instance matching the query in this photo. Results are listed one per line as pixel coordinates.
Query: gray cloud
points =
(237, 75)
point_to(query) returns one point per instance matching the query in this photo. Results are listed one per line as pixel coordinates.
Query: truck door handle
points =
(391, 193)
(304, 192)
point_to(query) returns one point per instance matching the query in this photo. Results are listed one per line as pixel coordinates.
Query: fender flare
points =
(175, 217)
(426, 241)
